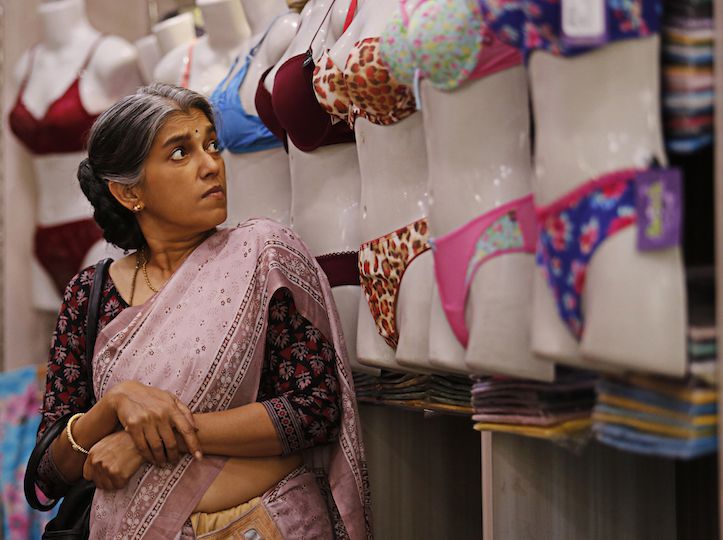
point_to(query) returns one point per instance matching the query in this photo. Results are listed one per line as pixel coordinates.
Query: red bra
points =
(65, 125)
(292, 110)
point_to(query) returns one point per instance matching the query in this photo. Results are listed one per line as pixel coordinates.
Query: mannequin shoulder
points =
(21, 68)
(280, 35)
(169, 68)
(115, 64)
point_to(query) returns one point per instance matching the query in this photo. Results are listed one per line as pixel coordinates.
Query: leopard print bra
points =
(365, 87)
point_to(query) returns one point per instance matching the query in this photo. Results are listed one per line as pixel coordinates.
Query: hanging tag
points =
(659, 208)
(583, 22)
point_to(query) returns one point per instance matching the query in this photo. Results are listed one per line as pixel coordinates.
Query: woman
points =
(224, 395)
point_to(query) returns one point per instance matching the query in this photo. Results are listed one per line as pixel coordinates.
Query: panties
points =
(60, 249)
(340, 268)
(510, 228)
(572, 229)
(382, 263)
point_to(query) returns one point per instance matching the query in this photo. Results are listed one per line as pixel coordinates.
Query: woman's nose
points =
(210, 165)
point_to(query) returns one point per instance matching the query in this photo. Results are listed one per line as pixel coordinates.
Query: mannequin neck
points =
(260, 14)
(61, 21)
(225, 23)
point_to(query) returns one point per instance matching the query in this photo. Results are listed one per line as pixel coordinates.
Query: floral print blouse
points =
(298, 385)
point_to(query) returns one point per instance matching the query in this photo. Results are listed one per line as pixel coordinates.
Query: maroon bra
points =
(292, 110)
(65, 125)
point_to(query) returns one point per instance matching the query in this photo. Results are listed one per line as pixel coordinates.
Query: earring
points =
(138, 207)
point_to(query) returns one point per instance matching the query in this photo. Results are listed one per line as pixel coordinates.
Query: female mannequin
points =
(174, 31)
(149, 54)
(634, 303)
(203, 63)
(325, 182)
(393, 165)
(72, 57)
(258, 182)
(467, 180)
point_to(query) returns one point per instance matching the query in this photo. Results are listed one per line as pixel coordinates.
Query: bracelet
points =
(69, 434)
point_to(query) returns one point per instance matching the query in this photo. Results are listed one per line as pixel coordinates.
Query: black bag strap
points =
(50, 434)
(91, 323)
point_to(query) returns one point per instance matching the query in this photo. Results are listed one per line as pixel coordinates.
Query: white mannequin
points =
(325, 182)
(149, 54)
(174, 31)
(634, 304)
(259, 183)
(111, 74)
(393, 165)
(260, 14)
(468, 179)
(226, 32)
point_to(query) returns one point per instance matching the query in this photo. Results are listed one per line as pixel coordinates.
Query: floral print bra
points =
(445, 42)
(531, 25)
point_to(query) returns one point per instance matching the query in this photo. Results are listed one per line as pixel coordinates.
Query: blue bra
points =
(238, 131)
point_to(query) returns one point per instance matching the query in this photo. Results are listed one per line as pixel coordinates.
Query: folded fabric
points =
(631, 440)
(559, 431)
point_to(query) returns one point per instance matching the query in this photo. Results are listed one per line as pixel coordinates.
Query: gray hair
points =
(119, 144)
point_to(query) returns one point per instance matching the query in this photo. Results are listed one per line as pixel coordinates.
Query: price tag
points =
(583, 22)
(659, 208)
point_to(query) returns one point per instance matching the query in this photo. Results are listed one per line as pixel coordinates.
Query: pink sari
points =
(202, 338)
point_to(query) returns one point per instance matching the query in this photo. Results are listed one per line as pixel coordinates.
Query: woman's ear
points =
(126, 195)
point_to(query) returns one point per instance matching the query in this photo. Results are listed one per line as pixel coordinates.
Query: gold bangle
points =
(69, 434)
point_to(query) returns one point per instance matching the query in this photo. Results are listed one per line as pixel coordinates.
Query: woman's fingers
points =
(188, 432)
(139, 439)
(186, 412)
(169, 442)
(155, 443)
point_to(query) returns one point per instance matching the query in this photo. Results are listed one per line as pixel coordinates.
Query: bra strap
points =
(91, 52)
(31, 63)
(186, 76)
(350, 14)
(322, 24)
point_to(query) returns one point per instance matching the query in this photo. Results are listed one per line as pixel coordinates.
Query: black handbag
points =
(73, 518)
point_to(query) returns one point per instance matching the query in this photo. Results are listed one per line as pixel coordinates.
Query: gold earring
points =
(138, 207)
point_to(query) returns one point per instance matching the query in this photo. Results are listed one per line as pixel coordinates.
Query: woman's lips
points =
(215, 192)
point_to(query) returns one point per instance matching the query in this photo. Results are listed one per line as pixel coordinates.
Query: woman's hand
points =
(150, 416)
(112, 461)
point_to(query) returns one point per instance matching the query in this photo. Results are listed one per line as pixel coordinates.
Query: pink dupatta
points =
(202, 338)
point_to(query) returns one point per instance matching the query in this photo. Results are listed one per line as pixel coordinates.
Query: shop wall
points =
(26, 331)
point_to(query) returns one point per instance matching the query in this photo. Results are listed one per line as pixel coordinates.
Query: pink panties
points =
(510, 228)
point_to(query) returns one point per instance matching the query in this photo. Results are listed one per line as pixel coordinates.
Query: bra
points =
(364, 88)
(65, 125)
(238, 131)
(292, 110)
(531, 25)
(445, 42)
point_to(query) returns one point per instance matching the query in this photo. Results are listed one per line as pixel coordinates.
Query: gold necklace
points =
(145, 274)
(135, 275)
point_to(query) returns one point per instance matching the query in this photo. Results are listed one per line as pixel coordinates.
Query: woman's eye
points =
(213, 146)
(178, 154)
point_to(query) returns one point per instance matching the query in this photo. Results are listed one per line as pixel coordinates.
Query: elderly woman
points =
(224, 396)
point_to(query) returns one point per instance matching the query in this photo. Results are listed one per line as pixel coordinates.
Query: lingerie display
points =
(65, 125)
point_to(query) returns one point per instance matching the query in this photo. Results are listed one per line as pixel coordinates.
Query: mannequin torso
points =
(203, 63)
(393, 166)
(258, 182)
(174, 31)
(106, 69)
(468, 179)
(325, 182)
(624, 288)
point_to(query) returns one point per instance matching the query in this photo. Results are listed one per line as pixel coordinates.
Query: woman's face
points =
(184, 185)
